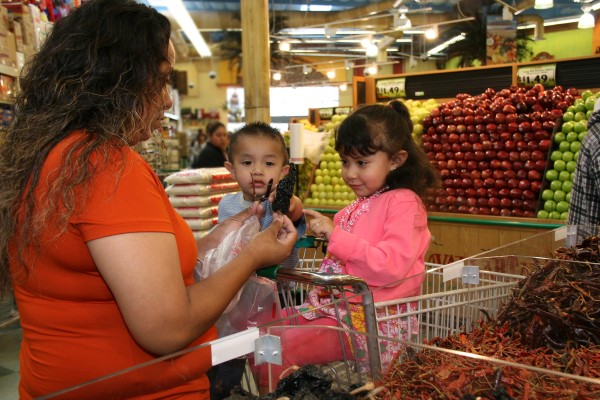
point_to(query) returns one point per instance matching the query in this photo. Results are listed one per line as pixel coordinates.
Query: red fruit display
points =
(498, 157)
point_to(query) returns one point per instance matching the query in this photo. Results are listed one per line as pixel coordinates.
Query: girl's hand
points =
(319, 224)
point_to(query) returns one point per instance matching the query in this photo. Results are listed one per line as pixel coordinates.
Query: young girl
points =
(382, 236)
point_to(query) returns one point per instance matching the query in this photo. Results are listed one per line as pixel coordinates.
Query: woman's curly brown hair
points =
(96, 71)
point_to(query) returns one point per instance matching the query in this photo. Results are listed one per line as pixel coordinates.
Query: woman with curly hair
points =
(100, 264)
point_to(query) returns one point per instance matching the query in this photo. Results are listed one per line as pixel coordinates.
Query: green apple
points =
(551, 175)
(568, 197)
(562, 206)
(567, 155)
(555, 185)
(580, 126)
(576, 156)
(327, 179)
(586, 93)
(564, 146)
(567, 186)
(554, 215)
(589, 103)
(571, 165)
(543, 214)
(323, 165)
(560, 137)
(572, 136)
(547, 194)
(556, 155)
(549, 205)
(560, 165)
(567, 127)
(575, 146)
(559, 196)
(564, 176)
(581, 135)
(564, 215)
(318, 179)
(579, 116)
(568, 116)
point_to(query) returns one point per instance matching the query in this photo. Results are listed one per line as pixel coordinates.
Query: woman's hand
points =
(232, 224)
(274, 244)
(319, 224)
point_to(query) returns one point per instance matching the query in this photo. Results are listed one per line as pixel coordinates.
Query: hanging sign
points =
(392, 88)
(544, 74)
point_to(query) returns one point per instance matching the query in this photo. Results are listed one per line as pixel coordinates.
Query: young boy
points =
(256, 154)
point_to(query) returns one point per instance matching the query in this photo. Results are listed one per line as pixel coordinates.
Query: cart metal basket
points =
(453, 299)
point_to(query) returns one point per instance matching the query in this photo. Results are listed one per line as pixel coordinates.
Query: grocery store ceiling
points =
(336, 28)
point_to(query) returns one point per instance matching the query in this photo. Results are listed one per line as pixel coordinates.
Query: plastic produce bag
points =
(257, 302)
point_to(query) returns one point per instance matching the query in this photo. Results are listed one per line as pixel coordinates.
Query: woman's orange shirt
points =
(73, 331)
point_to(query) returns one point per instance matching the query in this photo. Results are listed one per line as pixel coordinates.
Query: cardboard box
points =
(8, 52)
(4, 18)
(18, 31)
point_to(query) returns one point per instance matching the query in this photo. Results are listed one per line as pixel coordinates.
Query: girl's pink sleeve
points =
(398, 254)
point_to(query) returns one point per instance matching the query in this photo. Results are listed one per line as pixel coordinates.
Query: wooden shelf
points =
(10, 71)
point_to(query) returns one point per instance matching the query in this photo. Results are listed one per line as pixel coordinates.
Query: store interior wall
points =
(210, 93)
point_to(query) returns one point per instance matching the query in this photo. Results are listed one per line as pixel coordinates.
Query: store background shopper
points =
(100, 263)
(198, 143)
(214, 152)
(584, 207)
(382, 237)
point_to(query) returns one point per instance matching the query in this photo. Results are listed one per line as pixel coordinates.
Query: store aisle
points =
(10, 342)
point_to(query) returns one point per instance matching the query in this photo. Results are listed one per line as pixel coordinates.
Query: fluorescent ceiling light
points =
(321, 32)
(277, 76)
(586, 21)
(446, 44)
(331, 74)
(543, 4)
(431, 33)
(303, 51)
(372, 50)
(315, 7)
(183, 18)
(284, 45)
(552, 22)
(344, 87)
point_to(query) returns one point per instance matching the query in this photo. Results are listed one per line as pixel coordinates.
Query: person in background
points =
(197, 144)
(382, 237)
(100, 263)
(214, 152)
(257, 154)
(584, 207)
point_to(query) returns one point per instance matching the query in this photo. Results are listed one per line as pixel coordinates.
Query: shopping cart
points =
(453, 299)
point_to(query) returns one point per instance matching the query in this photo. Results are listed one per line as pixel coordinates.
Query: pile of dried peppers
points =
(551, 321)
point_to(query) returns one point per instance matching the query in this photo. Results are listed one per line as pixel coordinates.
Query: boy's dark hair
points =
(258, 129)
(388, 128)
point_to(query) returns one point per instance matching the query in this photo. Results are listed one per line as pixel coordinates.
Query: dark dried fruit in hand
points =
(285, 191)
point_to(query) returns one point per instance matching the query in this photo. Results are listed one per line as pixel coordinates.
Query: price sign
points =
(393, 88)
(325, 113)
(544, 74)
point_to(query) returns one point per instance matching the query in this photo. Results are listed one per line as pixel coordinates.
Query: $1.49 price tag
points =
(393, 88)
(544, 74)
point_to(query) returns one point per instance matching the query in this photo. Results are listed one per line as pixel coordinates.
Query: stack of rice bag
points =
(196, 193)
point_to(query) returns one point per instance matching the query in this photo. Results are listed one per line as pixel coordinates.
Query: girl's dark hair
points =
(388, 128)
(97, 71)
(213, 126)
(258, 129)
